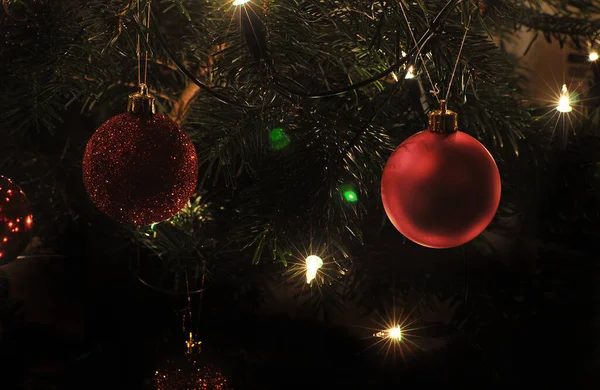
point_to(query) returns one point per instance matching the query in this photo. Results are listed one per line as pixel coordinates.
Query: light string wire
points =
(368, 125)
(186, 72)
(434, 29)
(418, 46)
(435, 91)
(462, 44)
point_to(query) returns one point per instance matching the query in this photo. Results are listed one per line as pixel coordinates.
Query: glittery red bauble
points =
(140, 169)
(16, 221)
(441, 190)
(189, 372)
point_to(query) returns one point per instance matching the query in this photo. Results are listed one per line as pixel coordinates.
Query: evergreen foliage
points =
(324, 71)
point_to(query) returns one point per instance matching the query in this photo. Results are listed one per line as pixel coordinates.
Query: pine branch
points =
(558, 26)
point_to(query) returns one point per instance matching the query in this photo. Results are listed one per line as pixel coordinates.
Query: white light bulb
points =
(393, 333)
(409, 73)
(313, 263)
(564, 104)
(240, 2)
(593, 56)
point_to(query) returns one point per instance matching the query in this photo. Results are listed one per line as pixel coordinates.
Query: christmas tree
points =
(235, 159)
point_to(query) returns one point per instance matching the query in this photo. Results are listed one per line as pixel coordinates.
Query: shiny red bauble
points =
(16, 221)
(140, 169)
(441, 189)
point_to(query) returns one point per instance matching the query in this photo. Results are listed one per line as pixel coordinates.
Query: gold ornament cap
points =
(141, 103)
(443, 120)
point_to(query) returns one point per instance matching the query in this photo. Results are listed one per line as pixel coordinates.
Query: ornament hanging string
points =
(139, 44)
(137, 275)
(147, 41)
(201, 290)
(462, 44)
(139, 47)
(435, 90)
(192, 343)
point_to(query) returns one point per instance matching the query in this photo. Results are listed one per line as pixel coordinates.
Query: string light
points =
(350, 196)
(348, 193)
(410, 72)
(313, 263)
(564, 103)
(593, 56)
(278, 138)
(240, 2)
(394, 333)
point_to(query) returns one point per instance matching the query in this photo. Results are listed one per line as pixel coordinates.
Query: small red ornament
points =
(441, 187)
(16, 221)
(139, 167)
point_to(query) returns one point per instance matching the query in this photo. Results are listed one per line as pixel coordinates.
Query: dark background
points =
(87, 322)
(526, 312)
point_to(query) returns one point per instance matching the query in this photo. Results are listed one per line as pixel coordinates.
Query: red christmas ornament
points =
(441, 187)
(16, 221)
(138, 166)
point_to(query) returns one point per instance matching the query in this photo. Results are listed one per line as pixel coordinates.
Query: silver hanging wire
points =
(139, 43)
(147, 41)
(154, 287)
(193, 327)
(462, 44)
(435, 90)
(139, 46)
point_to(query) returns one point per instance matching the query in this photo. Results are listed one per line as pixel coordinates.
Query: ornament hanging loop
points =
(443, 120)
(139, 44)
(141, 103)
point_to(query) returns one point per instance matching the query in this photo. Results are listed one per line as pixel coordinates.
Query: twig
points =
(182, 105)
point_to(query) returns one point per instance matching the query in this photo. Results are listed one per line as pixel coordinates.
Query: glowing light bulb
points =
(393, 333)
(350, 196)
(409, 73)
(240, 2)
(348, 193)
(564, 104)
(593, 56)
(279, 138)
(313, 263)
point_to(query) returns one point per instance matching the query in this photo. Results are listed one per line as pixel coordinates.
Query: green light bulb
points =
(279, 139)
(350, 196)
(348, 193)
